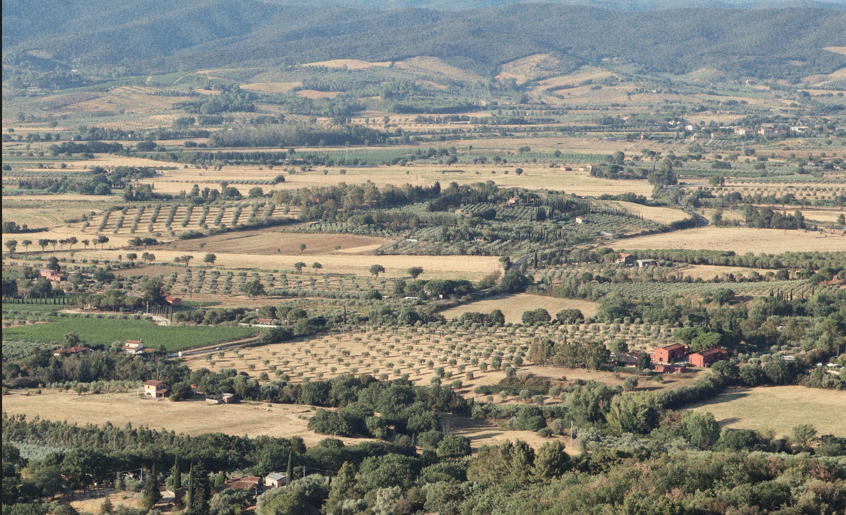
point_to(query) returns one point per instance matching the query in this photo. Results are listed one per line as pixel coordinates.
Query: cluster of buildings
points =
(627, 259)
(673, 359)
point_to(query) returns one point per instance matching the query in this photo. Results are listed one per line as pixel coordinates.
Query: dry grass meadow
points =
(513, 306)
(780, 408)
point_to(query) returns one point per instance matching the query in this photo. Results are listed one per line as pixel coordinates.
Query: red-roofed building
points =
(52, 275)
(706, 357)
(156, 389)
(626, 258)
(133, 346)
(173, 301)
(79, 349)
(668, 354)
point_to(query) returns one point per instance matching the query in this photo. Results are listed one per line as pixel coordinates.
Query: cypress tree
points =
(177, 474)
(199, 503)
(151, 494)
(289, 473)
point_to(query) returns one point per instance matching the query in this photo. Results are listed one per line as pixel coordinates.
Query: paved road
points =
(214, 348)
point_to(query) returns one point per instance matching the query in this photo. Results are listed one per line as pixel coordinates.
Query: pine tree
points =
(177, 474)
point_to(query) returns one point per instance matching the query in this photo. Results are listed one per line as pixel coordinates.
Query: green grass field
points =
(94, 330)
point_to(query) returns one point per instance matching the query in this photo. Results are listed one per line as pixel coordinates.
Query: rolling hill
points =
(157, 36)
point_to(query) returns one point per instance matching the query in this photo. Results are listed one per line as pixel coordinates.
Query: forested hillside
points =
(156, 36)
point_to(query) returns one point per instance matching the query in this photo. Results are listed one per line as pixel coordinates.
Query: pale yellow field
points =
(513, 306)
(821, 215)
(271, 87)
(423, 65)
(471, 268)
(741, 240)
(663, 215)
(780, 408)
(533, 177)
(190, 417)
(92, 505)
(707, 272)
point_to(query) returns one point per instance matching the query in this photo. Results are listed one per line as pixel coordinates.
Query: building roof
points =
(709, 352)
(275, 476)
(625, 255)
(132, 342)
(671, 347)
(153, 382)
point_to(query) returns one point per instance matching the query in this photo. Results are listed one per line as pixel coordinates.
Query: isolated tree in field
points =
(43, 242)
(187, 259)
(132, 256)
(26, 244)
(102, 240)
(298, 266)
(84, 242)
(316, 266)
(53, 243)
(152, 290)
(209, 258)
(841, 219)
(145, 256)
(253, 289)
(302, 247)
(70, 340)
(11, 245)
(375, 270)
(415, 272)
(72, 241)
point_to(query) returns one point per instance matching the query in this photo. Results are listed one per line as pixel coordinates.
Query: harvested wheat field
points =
(662, 215)
(740, 240)
(780, 408)
(707, 272)
(513, 306)
(471, 268)
(190, 417)
(273, 242)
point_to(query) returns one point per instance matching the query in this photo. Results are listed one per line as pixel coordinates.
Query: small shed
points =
(580, 220)
(275, 479)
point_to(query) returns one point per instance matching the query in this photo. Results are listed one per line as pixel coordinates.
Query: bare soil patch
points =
(273, 242)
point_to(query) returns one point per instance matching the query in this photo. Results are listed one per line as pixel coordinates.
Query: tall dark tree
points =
(200, 491)
(151, 494)
(177, 474)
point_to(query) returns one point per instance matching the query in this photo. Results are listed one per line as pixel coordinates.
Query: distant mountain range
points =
(165, 35)
(619, 5)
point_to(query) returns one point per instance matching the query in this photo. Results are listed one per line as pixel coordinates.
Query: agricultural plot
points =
(513, 306)
(164, 218)
(97, 329)
(275, 241)
(779, 408)
(740, 240)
